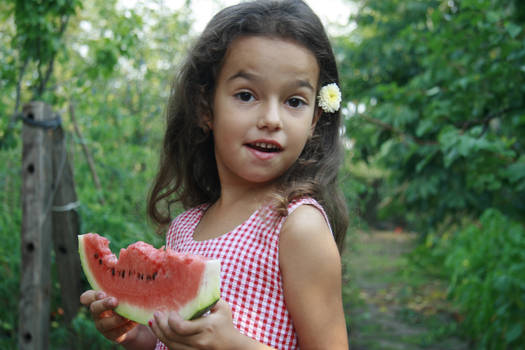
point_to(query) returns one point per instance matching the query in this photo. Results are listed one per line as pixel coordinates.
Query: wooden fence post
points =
(35, 282)
(66, 227)
(49, 201)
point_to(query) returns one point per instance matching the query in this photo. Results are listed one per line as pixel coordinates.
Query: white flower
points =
(330, 98)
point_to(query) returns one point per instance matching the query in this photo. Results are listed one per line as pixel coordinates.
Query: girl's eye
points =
(244, 96)
(295, 102)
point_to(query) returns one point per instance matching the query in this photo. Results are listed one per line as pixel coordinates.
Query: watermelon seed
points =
(100, 261)
(113, 271)
(154, 274)
(96, 256)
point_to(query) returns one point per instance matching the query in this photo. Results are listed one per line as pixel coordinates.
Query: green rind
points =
(142, 316)
(85, 267)
(199, 313)
(207, 297)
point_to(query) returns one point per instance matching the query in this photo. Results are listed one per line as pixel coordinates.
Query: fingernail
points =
(157, 314)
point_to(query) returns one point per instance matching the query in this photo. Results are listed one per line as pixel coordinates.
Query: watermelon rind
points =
(207, 296)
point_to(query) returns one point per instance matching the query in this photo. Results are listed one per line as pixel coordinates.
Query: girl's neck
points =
(247, 197)
(234, 206)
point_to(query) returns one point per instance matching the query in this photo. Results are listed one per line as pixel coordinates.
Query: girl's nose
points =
(270, 117)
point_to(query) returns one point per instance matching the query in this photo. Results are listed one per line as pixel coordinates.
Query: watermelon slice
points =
(145, 279)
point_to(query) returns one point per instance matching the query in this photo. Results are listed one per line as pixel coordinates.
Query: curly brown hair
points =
(188, 173)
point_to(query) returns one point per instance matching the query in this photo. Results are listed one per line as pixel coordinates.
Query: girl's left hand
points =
(213, 331)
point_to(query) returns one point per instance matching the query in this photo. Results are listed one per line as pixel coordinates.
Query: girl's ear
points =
(206, 122)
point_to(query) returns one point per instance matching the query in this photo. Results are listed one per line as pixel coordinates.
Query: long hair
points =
(188, 173)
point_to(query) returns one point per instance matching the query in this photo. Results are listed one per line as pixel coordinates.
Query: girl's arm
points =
(311, 270)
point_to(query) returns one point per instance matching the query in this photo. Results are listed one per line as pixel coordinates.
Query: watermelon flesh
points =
(145, 279)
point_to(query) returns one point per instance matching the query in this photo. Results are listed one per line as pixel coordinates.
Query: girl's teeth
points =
(265, 145)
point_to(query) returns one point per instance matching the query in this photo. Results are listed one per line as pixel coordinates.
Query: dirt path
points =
(389, 304)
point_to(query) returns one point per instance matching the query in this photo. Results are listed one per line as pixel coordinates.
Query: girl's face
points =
(264, 109)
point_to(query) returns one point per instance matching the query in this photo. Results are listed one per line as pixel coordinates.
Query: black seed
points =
(153, 276)
(100, 261)
(113, 271)
(96, 256)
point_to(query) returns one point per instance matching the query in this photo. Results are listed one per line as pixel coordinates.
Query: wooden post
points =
(35, 282)
(66, 227)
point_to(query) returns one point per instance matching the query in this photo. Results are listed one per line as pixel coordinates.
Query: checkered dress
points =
(250, 276)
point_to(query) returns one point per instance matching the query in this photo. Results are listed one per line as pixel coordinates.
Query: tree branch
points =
(87, 154)
(21, 73)
(50, 66)
(395, 130)
(485, 121)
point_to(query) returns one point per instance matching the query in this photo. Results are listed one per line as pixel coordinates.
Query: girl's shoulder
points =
(308, 207)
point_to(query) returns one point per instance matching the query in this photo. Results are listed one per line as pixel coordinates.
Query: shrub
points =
(486, 264)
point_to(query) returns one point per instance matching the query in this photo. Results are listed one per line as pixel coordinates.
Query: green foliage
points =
(436, 102)
(40, 26)
(114, 66)
(485, 262)
(440, 87)
(10, 222)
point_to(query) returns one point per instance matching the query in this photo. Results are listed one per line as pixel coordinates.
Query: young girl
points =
(252, 149)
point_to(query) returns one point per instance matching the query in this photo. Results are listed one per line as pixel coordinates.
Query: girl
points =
(252, 148)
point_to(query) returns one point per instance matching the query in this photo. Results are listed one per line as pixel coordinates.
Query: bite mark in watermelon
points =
(145, 279)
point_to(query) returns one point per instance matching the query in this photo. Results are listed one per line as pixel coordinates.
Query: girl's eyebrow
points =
(244, 75)
(252, 77)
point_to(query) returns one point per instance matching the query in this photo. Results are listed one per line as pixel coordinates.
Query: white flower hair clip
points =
(330, 98)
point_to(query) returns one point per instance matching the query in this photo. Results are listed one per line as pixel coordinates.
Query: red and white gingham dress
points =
(250, 275)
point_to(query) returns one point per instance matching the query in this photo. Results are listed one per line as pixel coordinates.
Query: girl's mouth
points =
(265, 147)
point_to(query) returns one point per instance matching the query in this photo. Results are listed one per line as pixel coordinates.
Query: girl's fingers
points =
(160, 330)
(111, 325)
(182, 327)
(98, 308)
(112, 322)
(119, 334)
(160, 326)
(88, 297)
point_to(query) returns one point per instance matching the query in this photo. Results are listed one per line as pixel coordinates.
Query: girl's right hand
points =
(113, 326)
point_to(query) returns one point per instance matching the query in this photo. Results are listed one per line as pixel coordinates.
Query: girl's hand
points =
(113, 326)
(213, 331)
